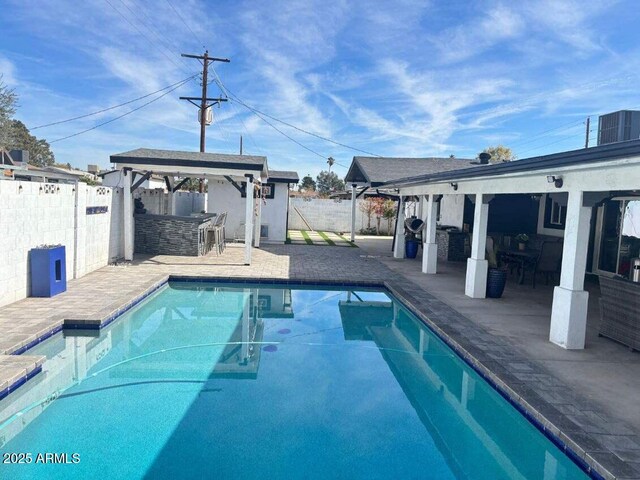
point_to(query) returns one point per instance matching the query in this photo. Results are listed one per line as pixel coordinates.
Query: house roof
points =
(283, 176)
(379, 170)
(583, 156)
(167, 159)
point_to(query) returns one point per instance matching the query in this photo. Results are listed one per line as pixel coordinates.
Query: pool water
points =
(208, 381)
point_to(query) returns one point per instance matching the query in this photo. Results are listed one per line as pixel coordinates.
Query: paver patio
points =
(605, 439)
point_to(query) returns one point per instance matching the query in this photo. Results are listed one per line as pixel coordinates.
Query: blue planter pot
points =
(496, 280)
(411, 248)
(48, 271)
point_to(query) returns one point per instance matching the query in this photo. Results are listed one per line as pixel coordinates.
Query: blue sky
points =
(403, 78)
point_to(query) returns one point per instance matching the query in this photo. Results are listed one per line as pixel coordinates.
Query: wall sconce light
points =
(20, 189)
(557, 181)
(454, 185)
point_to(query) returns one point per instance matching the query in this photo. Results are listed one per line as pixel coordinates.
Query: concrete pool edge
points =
(595, 459)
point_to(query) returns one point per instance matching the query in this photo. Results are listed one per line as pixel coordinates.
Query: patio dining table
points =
(523, 258)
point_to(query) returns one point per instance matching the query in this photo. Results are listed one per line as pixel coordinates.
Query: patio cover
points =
(172, 163)
(374, 172)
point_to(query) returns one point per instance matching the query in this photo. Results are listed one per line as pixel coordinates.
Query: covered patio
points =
(245, 172)
(587, 177)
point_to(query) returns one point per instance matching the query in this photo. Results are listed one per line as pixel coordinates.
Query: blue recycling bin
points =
(48, 271)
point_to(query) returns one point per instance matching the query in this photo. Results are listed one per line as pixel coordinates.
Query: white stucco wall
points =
(452, 210)
(46, 214)
(224, 197)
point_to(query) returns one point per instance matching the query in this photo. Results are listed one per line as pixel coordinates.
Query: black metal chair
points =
(549, 261)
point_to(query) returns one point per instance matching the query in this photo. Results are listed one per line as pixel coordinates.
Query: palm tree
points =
(330, 161)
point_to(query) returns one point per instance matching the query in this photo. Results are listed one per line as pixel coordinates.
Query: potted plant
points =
(411, 244)
(496, 276)
(522, 239)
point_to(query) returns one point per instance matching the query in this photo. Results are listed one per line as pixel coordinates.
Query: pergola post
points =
(258, 223)
(172, 196)
(353, 212)
(128, 215)
(477, 265)
(430, 247)
(398, 247)
(570, 301)
(248, 220)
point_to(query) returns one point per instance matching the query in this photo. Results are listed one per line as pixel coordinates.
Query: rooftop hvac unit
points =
(208, 117)
(619, 126)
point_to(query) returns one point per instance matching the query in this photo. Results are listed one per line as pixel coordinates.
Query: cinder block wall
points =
(330, 215)
(34, 214)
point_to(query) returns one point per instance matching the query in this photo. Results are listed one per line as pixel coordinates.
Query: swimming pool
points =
(203, 380)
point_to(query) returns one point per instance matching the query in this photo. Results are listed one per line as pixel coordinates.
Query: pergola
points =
(252, 170)
(375, 172)
(588, 176)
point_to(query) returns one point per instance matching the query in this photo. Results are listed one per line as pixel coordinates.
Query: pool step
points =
(15, 370)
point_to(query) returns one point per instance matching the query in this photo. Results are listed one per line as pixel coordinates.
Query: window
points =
(555, 213)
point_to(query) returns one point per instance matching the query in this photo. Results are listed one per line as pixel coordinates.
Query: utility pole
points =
(586, 141)
(240, 144)
(205, 102)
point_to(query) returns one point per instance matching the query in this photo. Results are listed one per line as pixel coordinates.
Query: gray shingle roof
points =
(155, 156)
(288, 176)
(378, 170)
(583, 156)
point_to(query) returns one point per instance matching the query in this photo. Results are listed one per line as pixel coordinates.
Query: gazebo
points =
(373, 172)
(138, 165)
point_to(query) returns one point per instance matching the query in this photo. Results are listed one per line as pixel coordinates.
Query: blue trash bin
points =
(48, 271)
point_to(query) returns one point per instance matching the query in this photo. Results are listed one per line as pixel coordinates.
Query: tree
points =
(367, 207)
(327, 182)
(40, 153)
(499, 154)
(307, 184)
(389, 213)
(8, 103)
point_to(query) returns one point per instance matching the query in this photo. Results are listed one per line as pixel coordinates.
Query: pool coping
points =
(592, 456)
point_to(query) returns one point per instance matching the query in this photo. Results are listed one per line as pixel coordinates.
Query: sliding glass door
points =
(617, 236)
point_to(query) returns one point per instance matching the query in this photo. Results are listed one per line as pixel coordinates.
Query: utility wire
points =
(113, 106)
(151, 42)
(258, 113)
(123, 115)
(187, 25)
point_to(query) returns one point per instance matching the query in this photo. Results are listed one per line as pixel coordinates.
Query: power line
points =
(186, 25)
(151, 42)
(258, 113)
(123, 115)
(113, 106)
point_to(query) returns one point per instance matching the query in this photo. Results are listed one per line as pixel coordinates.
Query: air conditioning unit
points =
(208, 117)
(619, 126)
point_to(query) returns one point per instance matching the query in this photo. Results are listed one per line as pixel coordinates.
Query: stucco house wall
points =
(224, 197)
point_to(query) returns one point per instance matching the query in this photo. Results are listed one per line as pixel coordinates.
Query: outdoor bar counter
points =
(172, 235)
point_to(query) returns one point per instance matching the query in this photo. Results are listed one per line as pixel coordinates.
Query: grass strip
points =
(305, 235)
(351, 244)
(326, 238)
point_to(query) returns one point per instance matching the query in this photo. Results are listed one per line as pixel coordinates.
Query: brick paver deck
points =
(604, 443)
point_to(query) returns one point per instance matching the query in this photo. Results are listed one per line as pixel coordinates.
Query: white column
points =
(398, 249)
(258, 222)
(128, 216)
(248, 222)
(430, 247)
(569, 310)
(353, 212)
(477, 265)
(171, 197)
